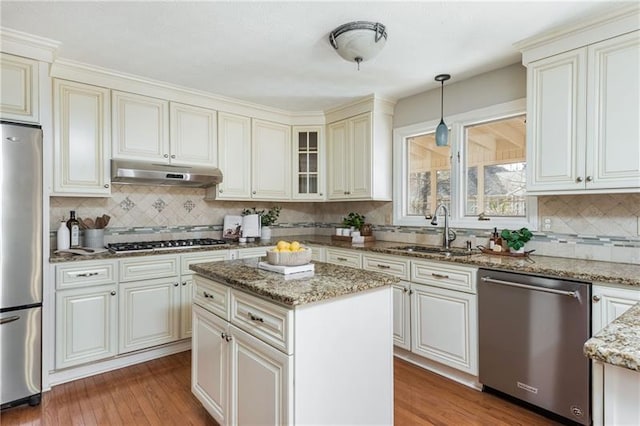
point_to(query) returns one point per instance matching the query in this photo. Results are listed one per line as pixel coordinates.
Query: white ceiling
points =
(277, 53)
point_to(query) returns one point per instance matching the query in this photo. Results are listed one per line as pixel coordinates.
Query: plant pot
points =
(265, 233)
(520, 250)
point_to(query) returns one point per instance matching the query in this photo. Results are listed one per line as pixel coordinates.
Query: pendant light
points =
(442, 131)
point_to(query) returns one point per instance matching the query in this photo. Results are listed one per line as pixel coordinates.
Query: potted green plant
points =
(353, 220)
(267, 218)
(515, 240)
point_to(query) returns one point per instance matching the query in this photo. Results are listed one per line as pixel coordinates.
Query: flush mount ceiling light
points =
(358, 41)
(442, 131)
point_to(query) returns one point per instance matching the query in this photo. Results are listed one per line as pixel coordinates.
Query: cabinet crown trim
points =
(28, 45)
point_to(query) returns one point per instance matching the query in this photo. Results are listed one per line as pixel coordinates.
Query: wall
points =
(491, 88)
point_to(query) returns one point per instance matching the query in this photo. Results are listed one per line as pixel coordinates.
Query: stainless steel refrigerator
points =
(21, 257)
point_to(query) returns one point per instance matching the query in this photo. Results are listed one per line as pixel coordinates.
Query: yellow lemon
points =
(295, 246)
(282, 245)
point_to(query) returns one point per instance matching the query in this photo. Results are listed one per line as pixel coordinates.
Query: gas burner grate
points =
(163, 245)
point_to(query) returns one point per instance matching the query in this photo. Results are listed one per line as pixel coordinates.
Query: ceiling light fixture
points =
(358, 41)
(442, 131)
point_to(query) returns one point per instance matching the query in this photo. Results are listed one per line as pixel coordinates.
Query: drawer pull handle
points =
(88, 274)
(342, 259)
(207, 295)
(439, 276)
(254, 317)
(7, 320)
(383, 266)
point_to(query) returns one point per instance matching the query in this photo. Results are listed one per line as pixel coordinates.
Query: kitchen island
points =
(299, 349)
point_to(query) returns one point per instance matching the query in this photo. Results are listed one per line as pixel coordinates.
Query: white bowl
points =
(289, 258)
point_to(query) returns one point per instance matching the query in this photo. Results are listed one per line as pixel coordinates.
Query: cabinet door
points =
(308, 163)
(85, 325)
(444, 327)
(613, 112)
(401, 315)
(210, 363)
(82, 147)
(140, 127)
(194, 136)
(271, 160)
(338, 160)
(186, 302)
(18, 89)
(234, 156)
(556, 141)
(149, 313)
(608, 303)
(359, 167)
(261, 381)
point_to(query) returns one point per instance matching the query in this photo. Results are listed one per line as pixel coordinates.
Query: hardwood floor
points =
(159, 393)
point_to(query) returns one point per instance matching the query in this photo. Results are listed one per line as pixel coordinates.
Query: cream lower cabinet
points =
(248, 352)
(148, 302)
(444, 327)
(402, 315)
(620, 385)
(86, 325)
(82, 144)
(86, 312)
(186, 284)
(149, 313)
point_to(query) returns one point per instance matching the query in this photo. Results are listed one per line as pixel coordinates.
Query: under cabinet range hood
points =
(134, 172)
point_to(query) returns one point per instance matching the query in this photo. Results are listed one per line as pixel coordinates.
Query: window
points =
(483, 170)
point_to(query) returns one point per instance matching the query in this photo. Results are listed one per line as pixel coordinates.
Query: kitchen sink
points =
(434, 250)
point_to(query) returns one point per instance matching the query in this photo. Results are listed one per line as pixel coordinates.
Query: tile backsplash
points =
(599, 227)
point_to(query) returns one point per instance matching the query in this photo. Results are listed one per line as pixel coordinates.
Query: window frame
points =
(457, 124)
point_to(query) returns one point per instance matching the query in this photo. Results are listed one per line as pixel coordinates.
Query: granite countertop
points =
(327, 282)
(558, 267)
(619, 342)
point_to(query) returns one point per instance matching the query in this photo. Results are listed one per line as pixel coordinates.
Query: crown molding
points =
(28, 45)
(579, 33)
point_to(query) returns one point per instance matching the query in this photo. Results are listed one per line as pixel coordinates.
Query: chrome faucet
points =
(448, 235)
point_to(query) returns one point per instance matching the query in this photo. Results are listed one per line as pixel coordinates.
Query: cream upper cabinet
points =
(583, 118)
(359, 159)
(271, 160)
(140, 128)
(18, 89)
(234, 156)
(613, 113)
(308, 163)
(82, 141)
(193, 135)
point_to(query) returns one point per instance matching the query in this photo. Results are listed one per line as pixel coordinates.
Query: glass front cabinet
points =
(308, 161)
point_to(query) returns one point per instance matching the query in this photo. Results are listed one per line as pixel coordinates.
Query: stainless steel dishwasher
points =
(531, 333)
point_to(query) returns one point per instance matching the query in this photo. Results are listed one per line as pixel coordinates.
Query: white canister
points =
(338, 231)
(63, 239)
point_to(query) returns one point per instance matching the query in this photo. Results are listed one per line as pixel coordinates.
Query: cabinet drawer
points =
(445, 276)
(318, 254)
(212, 296)
(146, 268)
(187, 260)
(386, 264)
(344, 257)
(253, 252)
(84, 274)
(268, 322)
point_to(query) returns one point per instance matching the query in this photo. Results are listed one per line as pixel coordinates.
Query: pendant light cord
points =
(442, 100)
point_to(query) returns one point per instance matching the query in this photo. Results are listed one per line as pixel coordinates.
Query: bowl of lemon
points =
(289, 254)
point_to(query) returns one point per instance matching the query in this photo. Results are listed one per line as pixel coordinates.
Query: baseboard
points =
(443, 370)
(87, 370)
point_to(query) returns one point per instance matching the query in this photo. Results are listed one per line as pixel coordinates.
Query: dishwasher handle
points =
(573, 294)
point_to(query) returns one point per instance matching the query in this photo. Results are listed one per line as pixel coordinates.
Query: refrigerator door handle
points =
(7, 320)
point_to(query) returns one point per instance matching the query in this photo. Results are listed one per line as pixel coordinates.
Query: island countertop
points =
(619, 342)
(327, 282)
